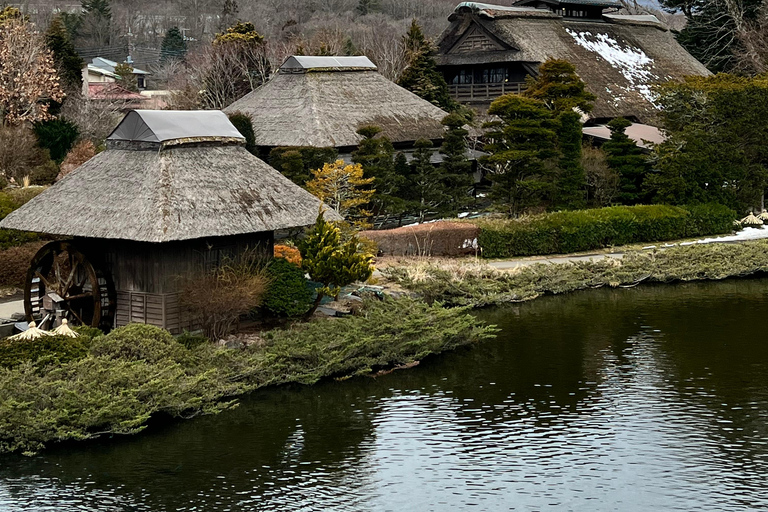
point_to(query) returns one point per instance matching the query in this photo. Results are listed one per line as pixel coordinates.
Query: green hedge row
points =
(584, 230)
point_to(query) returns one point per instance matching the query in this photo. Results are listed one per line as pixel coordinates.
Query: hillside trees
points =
(173, 45)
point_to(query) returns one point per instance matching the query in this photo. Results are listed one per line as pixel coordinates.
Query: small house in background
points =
(323, 101)
(102, 70)
(174, 192)
(488, 50)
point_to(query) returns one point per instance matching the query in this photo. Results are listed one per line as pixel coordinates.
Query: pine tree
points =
(425, 187)
(376, 155)
(523, 143)
(95, 22)
(67, 61)
(628, 160)
(562, 91)
(173, 45)
(559, 87)
(421, 76)
(127, 79)
(456, 168)
(332, 261)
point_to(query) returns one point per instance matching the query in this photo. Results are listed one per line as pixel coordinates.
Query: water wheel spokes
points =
(63, 283)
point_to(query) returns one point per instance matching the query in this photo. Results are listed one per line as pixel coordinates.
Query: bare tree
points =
(28, 78)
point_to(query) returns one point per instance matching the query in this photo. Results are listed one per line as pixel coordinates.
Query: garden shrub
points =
(44, 351)
(44, 174)
(288, 293)
(242, 122)
(584, 230)
(137, 342)
(11, 200)
(432, 239)
(291, 254)
(190, 340)
(297, 163)
(14, 262)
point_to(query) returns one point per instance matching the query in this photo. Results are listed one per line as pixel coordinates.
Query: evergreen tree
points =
(563, 92)
(58, 136)
(297, 163)
(623, 156)
(365, 7)
(376, 155)
(425, 188)
(456, 168)
(349, 48)
(127, 79)
(421, 76)
(173, 45)
(68, 62)
(244, 125)
(331, 260)
(559, 87)
(523, 143)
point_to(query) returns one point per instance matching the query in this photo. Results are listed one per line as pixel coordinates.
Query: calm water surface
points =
(652, 398)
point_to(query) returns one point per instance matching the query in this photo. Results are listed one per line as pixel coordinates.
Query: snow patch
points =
(631, 62)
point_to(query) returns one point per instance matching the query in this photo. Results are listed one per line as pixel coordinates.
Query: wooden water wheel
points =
(63, 283)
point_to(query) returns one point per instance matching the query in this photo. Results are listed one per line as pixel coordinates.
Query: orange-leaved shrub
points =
(289, 253)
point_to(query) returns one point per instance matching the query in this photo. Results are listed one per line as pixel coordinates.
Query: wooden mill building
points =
(323, 101)
(174, 192)
(488, 50)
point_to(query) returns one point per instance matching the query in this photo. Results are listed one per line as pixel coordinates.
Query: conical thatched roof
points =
(323, 101)
(179, 189)
(619, 57)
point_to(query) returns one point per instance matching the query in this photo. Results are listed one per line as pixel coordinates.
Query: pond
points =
(650, 398)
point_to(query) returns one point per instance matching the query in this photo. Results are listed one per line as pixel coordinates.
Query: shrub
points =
(583, 230)
(137, 342)
(190, 340)
(288, 293)
(433, 239)
(10, 200)
(44, 174)
(81, 153)
(296, 163)
(14, 263)
(218, 298)
(291, 254)
(42, 351)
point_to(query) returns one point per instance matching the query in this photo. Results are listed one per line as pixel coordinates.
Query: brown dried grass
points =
(14, 263)
(443, 238)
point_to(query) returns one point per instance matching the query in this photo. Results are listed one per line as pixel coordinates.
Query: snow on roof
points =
(307, 63)
(165, 125)
(631, 62)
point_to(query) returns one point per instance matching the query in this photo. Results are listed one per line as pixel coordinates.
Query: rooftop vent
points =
(305, 64)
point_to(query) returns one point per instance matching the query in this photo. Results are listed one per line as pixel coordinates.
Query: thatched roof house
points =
(167, 176)
(173, 193)
(488, 50)
(323, 101)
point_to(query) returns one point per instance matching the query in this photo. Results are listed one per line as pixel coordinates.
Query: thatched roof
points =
(324, 102)
(176, 190)
(619, 57)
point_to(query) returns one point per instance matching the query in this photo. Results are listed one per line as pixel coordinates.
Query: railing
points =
(482, 92)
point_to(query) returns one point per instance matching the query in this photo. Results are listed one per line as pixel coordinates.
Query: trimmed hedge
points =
(584, 230)
(288, 293)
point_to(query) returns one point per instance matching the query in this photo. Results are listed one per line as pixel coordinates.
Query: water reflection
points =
(640, 399)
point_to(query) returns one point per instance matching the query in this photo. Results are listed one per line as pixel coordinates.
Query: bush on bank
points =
(480, 285)
(584, 230)
(139, 371)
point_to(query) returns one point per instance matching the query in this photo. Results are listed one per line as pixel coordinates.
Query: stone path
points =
(9, 308)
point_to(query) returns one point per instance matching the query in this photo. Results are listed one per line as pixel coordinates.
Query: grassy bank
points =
(470, 283)
(116, 383)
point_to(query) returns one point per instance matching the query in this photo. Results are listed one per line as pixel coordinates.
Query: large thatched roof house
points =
(488, 50)
(175, 191)
(323, 101)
